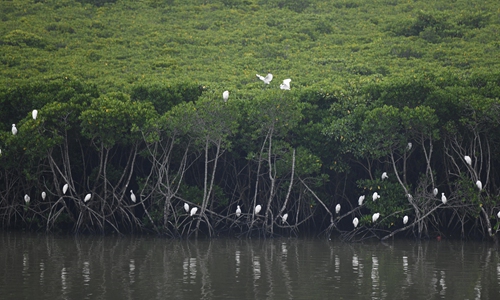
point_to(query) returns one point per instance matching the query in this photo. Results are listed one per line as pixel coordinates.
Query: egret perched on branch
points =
(337, 208)
(238, 211)
(266, 79)
(34, 114)
(479, 185)
(498, 215)
(408, 147)
(405, 220)
(468, 160)
(14, 129)
(375, 196)
(283, 219)
(361, 199)
(257, 209)
(384, 176)
(286, 84)
(443, 198)
(375, 217)
(44, 195)
(87, 197)
(27, 199)
(435, 192)
(225, 96)
(355, 222)
(132, 196)
(193, 211)
(186, 207)
(65, 188)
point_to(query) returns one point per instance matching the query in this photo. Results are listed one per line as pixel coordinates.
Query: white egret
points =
(193, 211)
(498, 215)
(384, 176)
(361, 199)
(132, 196)
(34, 114)
(443, 198)
(257, 209)
(405, 220)
(65, 188)
(87, 197)
(283, 219)
(479, 185)
(375, 217)
(186, 207)
(225, 96)
(27, 199)
(409, 146)
(337, 208)
(44, 195)
(286, 84)
(468, 160)
(14, 129)
(375, 196)
(266, 79)
(355, 222)
(238, 211)
(435, 192)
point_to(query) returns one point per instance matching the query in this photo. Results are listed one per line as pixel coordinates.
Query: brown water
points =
(52, 267)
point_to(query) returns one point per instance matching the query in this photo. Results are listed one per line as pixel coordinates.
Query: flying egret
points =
(435, 192)
(87, 197)
(27, 199)
(257, 209)
(132, 196)
(361, 199)
(468, 160)
(409, 146)
(225, 96)
(286, 84)
(34, 114)
(186, 207)
(238, 211)
(384, 176)
(283, 219)
(266, 79)
(479, 185)
(405, 220)
(14, 129)
(443, 198)
(355, 222)
(65, 188)
(375, 196)
(44, 195)
(337, 208)
(375, 217)
(193, 211)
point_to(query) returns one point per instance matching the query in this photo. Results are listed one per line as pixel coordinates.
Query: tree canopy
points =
(129, 98)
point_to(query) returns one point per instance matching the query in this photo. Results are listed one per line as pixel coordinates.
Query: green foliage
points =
(368, 77)
(165, 96)
(392, 204)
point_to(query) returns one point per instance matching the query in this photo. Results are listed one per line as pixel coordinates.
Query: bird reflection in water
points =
(86, 272)
(189, 268)
(237, 258)
(131, 272)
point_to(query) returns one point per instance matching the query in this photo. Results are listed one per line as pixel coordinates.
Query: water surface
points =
(52, 267)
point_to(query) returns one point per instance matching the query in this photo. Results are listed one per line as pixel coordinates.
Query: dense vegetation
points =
(129, 97)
